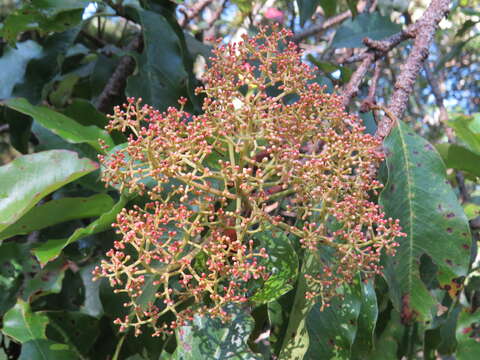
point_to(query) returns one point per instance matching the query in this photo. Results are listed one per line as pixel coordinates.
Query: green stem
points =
(119, 347)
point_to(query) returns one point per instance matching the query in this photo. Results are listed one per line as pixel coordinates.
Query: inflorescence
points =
(271, 151)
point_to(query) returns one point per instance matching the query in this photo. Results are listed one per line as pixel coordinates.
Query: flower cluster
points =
(271, 151)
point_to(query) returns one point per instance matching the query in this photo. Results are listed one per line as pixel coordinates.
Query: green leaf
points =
(372, 25)
(387, 344)
(46, 350)
(419, 195)
(62, 125)
(329, 7)
(367, 320)
(352, 5)
(74, 328)
(14, 63)
(306, 9)
(467, 336)
(40, 72)
(471, 210)
(161, 77)
(52, 248)
(295, 341)
(47, 281)
(58, 211)
(15, 261)
(92, 305)
(19, 126)
(460, 158)
(83, 112)
(209, 338)
(333, 330)
(29, 178)
(44, 15)
(21, 324)
(467, 129)
(282, 265)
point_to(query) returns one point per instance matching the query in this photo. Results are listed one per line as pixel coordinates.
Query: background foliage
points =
(64, 64)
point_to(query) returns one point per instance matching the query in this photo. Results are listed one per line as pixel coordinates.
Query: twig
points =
(96, 41)
(194, 11)
(319, 28)
(376, 50)
(216, 15)
(370, 101)
(351, 88)
(425, 29)
(117, 82)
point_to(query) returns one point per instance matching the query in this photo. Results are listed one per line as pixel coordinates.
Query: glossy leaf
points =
(41, 71)
(14, 63)
(52, 248)
(29, 178)
(21, 324)
(161, 76)
(46, 350)
(282, 265)
(92, 305)
(46, 16)
(62, 125)
(419, 195)
(367, 320)
(467, 336)
(58, 211)
(467, 128)
(333, 330)
(471, 210)
(46, 281)
(85, 113)
(295, 341)
(372, 25)
(460, 158)
(209, 338)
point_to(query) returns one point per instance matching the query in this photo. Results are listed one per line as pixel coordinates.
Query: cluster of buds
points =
(271, 151)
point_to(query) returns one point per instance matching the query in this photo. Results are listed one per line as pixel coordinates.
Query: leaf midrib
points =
(410, 206)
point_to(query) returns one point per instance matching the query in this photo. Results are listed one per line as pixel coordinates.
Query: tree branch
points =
(319, 28)
(117, 82)
(194, 11)
(376, 49)
(425, 29)
(370, 101)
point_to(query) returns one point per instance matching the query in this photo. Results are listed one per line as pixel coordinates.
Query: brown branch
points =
(425, 29)
(118, 80)
(319, 28)
(216, 15)
(194, 11)
(351, 88)
(376, 49)
(370, 101)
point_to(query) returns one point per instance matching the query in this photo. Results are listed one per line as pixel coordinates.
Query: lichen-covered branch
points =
(425, 29)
